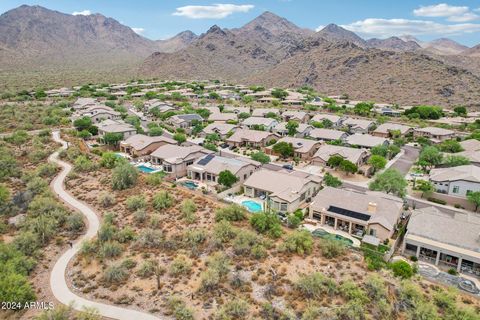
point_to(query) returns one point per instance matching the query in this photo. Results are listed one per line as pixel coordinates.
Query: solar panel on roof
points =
(349, 213)
(206, 159)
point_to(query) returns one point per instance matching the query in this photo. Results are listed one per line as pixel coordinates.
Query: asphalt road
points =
(406, 161)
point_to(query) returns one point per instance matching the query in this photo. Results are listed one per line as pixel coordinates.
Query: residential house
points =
(303, 129)
(366, 141)
(208, 168)
(140, 145)
(157, 104)
(457, 181)
(254, 138)
(355, 125)
(334, 119)
(258, 122)
(303, 148)
(299, 116)
(222, 129)
(236, 109)
(262, 112)
(357, 213)
(327, 134)
(84, 103)
(175, 159)
(185, 121)
(97, 113)
(385, 130)
(222, 117)
(354, 155)
(448, 240)
(112, 126)
(435, 134)
(283, 191)
(471, 151)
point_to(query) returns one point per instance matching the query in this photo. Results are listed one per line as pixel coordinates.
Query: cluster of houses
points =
(371, 214)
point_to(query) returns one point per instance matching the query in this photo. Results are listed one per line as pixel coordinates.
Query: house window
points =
(283, 207)
(167, 168)
(244, 176)
(469, 191)
(302, 197)
(456, 189)
(189, 162)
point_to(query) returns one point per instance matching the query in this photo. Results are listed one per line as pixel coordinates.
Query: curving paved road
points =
(57, 277)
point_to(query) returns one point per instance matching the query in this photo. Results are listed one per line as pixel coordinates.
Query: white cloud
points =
(319, 28)
(82, 13)
(215, 11)
(138, 30)
(466, 17)
(395, 27)
(440, 10)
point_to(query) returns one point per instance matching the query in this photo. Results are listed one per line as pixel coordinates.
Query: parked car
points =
(224, 145)
(287, 166)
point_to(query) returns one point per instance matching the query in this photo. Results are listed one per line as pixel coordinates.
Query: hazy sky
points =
(425, 19)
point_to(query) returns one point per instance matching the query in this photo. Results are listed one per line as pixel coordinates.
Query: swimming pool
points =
(145, 169)
(327, 235)
(190, 185)
(252, 206)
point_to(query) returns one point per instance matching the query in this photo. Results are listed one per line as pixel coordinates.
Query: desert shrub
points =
(220, 262)
(124, 176)
(140, 216)
(331, 248)
(351, 291)
(136, 202)
(267, 223)
(244, 242)
(188, 209)
(88, 248)
(435, 200)
(115, 273)
(353, 310)
(110, 249)
(150, 238)
(106, 199)
(209, 280)
(194, 237)
(179, 309)
(235, 309)
(46, 170)
(300, 242)
(74, 222)
(402, 269)
(146, 269)
(181, 265)
(375, 287)
(162, 200)
(315, 285)
(258, 251)
(155, 179)
(233, 212)
(129, 263)
(84, 164)
(223, 231)
(126, 234)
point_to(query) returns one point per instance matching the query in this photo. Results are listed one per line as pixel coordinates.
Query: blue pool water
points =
(190, 185)
(252, 206)
(145, 169)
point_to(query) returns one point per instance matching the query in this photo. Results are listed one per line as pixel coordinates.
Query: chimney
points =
(372, 207)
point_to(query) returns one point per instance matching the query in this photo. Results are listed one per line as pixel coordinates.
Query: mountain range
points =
(41, 47)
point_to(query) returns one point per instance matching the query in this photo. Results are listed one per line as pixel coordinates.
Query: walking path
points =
(58, 281)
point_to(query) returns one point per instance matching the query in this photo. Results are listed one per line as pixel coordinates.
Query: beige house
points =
(140, 145)
(303, 148)
(283, 191)
(457, 181)
(355, 125)
(366, 141)
(303, 130)
(267, 123)
(236, 109)
(254, 138)
(208, 168)
(327, 134)
(184, 121)
(175, 159)
(222, 117)
(354, 155)
(299, 116)
(359, 214)
(262, 112)
(448, 240)
(222, 129)
(336, 120)
(471, 151)
(112, 126)
(385, 130)
(84, 103)
(97, 114)
(435, 134)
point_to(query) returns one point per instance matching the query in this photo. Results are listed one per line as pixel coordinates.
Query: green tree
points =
(82, 123)
(334, 161)
(331, 181)
(124, 176)
(402, 269)
(377, 162)
(162, 200)
(455, 161)
(451, 146)
(300, 242)
(474, 197)
(425, 186)
(260, 157)
(227, 178)
(109, 160)
(279, 93)
(348, 167)
(112, 138)
(390, 181)
(155, 131)
(4, 195)
(363, 108)
(233, 212)
(292, 126)
(430, 157)
(284, 149)
(267, 222)
(244, 115)
(180, 138)
(460, 110)
(380, 150)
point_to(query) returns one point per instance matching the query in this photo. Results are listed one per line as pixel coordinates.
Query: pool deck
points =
(310, 227)
(241, 198)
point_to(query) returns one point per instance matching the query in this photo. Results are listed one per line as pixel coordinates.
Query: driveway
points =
(58, 282)
(406, 161)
